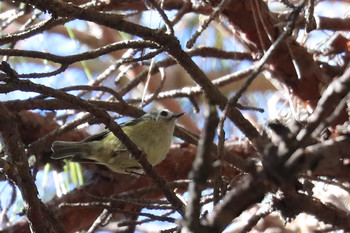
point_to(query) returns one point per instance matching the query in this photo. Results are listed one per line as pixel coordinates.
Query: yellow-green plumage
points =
(152, 133)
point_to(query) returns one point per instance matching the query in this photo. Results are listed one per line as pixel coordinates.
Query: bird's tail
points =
(63, 150)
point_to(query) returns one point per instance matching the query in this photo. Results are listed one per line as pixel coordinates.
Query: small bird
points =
(152, 133)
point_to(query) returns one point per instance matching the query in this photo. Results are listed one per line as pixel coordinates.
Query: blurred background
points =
(125, 75)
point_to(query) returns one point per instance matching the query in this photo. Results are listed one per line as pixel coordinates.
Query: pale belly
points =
(154, 143)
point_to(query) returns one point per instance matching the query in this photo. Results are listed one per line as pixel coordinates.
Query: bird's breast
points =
(153, 138)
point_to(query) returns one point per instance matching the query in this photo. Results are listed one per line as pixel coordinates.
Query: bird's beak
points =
(178, 115)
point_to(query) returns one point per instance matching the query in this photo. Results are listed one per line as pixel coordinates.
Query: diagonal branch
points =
(201, 170)
(170, 43)
(103, 117)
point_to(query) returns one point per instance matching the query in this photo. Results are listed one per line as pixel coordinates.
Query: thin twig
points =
(116, 65)
(260, 64)
(20, 174)
(331, 97)
(256, 23)
(128, 223)
(167, 22)
(158, 89)
(3, 217)
(100, 220)
(201, 170)
(92, 54)
(147, 82)
(110, 207)
(217, 10)
(61, 69)
(253, 221)
(103, 117)
(218, 183)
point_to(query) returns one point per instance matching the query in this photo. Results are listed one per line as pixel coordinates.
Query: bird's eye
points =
(164, 113)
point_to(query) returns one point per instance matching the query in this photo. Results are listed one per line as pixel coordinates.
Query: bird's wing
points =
(80, 159)
(102, 135)
(97, 137)
(131, 122)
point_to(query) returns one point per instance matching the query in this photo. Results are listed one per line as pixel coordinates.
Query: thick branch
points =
(200, 172)
(170, 42)
(103, 117)
(18, 171)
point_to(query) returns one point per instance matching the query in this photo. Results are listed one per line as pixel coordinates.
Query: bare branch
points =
(18, 171)
(202, 167)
